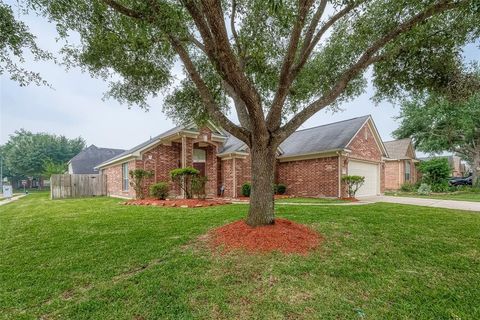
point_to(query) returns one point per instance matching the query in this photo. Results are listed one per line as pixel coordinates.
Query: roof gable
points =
(333, 136)
(87, 159)
(400, 149)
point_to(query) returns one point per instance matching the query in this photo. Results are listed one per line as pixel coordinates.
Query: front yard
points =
(96, 259)
(457, 195)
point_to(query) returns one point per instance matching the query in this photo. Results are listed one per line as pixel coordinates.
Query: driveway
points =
(448, 204)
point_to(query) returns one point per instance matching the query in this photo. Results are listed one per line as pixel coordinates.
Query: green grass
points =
(96, 259)
(309, 200)
(458, 195)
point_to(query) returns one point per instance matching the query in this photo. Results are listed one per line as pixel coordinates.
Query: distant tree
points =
(446, 121)
(50, 168)
(276, 62)
(26, 153)
(15, 39)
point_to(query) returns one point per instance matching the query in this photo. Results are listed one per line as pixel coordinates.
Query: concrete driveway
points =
(447, 204)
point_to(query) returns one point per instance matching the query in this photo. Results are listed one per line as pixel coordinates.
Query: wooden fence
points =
(77, 185)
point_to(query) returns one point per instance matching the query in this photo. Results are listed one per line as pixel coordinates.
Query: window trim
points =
(408, 165)
(125, 177)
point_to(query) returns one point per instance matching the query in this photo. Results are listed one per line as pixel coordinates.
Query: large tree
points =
(276, 62)
(26, 154)
(446, 119)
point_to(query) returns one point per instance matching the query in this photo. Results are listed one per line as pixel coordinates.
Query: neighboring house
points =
(87, 159)
(310, 162)
(459, 167)
(400, 165)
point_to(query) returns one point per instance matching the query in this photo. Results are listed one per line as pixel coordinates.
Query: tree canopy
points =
(275, 63)
(15, 41)
(447, 119)
(28, 154)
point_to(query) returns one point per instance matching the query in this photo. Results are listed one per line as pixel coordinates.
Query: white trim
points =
(231, 155)
(312, 155)
(339, 176)
(234, 165)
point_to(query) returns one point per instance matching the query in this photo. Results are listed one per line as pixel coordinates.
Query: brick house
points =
(310, 162)
(400, 166)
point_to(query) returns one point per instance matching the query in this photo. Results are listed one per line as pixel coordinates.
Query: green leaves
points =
(29, 154)
(15, 41)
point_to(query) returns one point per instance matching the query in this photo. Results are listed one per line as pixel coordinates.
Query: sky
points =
(75, 105)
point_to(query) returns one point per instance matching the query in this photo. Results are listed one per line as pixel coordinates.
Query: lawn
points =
(309, 200)
(458, 195)
(97, 259)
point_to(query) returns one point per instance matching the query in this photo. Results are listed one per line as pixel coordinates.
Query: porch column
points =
(184, 160)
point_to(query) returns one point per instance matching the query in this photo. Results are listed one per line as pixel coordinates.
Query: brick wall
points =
(364, 146)
(395, 174)
(312, 178)
(114, 180)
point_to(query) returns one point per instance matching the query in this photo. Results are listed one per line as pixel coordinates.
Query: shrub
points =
(424, 189)
(138, 177)
(182, 177)
(280, 188)
(353, 183)
(198, 186)
(441, 187)
(160, 190)
(407, 187)
(436, 173)
(246, 189)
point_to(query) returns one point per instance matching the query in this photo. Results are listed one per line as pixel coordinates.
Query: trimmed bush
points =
(353, 183)
(160, 190)
(198, 186)
(137, 181)
(183, 178)
(424, 189)
(280, 188)
(407, 187)
(246, 189)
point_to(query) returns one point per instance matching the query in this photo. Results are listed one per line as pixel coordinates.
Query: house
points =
(310, 162)
(87, 159)
(400, 165)
(459, 168)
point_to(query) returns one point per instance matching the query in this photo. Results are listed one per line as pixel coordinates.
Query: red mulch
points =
(285, 236)
(182, 203)
(349, 199)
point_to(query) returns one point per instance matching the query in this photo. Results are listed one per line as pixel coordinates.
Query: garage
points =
(371, 187)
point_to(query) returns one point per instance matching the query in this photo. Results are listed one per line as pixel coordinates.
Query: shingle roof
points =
(331, 136)
(398, 149)
(85, 161)
(143, 144)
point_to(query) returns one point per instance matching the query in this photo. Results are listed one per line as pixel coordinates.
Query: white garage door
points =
(370, 172)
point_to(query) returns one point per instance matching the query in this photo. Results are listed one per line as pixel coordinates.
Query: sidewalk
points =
(436, 203)
(14, 198)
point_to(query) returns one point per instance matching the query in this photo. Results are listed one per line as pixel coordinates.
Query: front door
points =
(200, 166)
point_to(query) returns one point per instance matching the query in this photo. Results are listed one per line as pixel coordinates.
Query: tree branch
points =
(204, 92)
(367, 58)
(274, 116)
(284, 82)
(124, 10)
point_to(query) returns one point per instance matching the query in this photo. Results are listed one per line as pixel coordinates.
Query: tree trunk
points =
(476, 169)
(261, 210)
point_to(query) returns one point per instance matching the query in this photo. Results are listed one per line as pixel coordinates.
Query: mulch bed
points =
(349, 199)
(284, 236)
(182, 203)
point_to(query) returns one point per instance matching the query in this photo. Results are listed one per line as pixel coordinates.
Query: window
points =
(407, 170)
(125, 176)
(199, 155)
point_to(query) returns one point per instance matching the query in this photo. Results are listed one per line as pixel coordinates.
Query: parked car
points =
(463, 181)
